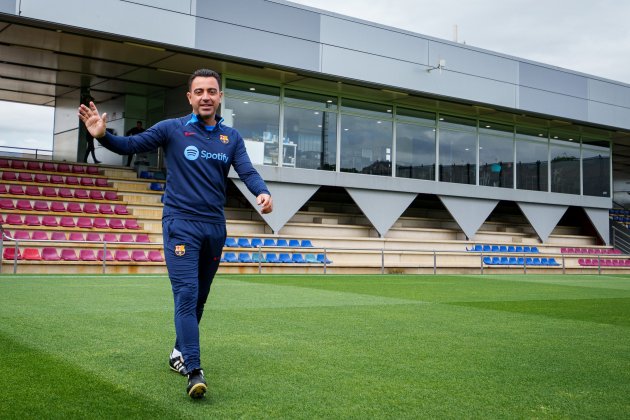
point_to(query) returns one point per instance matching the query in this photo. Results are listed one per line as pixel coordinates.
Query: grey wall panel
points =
(390, 206)
(378, 41)
(612, 115)
(550, 103)
(117, 17)
(542, 217)
(469, 213)
(8, 6)
(609, 93)
(180, 6)
(467, 61)
(253, 44)
(552, 80)
(395, 73)
(264, 16)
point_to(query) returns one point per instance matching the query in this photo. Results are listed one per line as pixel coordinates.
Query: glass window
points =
(367, 108)
(310, 100)
(496, 161)
(310, 139)
(366, 145)
(532, 150)
(415, 151)
(416, 116)
(457, 123)
(565, 167)
(458, 156)
(258, 123)
(243, 89)
(596, 170)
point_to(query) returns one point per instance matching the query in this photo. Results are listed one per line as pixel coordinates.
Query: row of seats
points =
(255, 257)
(53, 179)
(520, 261)
(267, 242)
(608, 251)
(59, 206)
(621, 219)
(66, 254)
(69, 222)
(40, 235)
(48, 166)
(504, 248)
(605, 262)
(622, 212)
(63, 192)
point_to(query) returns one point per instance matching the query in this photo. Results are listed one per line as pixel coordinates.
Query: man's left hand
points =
(265, 202)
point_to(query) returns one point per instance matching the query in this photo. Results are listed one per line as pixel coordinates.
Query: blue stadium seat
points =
(503, 248)
(244, 257)
(529, 261)
(527, 249)
(512, 261)
(230, 257)
(553, 262)
(536, 261)
(244, 243)
(487, 248)
(495, 248)
(311, 258)
(534, 250)
(518, 248)
(294, 243)
(505, 261)
(269, 242)
(487, 260)
(256, 242)
(231, 242)
(321, 258)
(271, 258)
(258, 257)
(306, 243)
(511, 248)
(284, 258)
(283, 243)
(475, 248)
(298, 258)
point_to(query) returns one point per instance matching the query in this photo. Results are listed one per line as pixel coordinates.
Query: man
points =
(199, 151)
(132, 132)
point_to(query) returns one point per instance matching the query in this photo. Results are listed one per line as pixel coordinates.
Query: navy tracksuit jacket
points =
(198, 159)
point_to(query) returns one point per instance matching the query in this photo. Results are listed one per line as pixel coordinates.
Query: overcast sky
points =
(589, 36)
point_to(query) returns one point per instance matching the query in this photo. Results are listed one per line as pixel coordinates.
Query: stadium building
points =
(368, 136)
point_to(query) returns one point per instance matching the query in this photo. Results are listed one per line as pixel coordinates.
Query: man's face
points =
(205, 97)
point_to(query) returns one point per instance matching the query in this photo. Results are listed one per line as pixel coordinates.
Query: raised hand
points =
(94, 122)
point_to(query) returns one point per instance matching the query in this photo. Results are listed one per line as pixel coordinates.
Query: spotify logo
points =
(191, 153)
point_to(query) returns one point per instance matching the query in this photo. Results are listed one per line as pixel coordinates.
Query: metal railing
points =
(25, 152)
(620, 237)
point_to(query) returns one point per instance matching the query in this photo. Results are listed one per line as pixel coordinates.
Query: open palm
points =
(94, 122)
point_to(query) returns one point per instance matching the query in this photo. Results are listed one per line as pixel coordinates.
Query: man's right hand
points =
(94, 122)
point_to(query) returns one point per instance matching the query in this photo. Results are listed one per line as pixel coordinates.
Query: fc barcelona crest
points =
(180, 250)
(224, 139)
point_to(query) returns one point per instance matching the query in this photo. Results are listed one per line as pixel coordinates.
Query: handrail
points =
(36, 150)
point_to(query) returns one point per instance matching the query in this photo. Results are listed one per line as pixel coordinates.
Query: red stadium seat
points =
(116, 224)
(100, 223)
(76, 236)
(41, 206)
(18, 164)
(155, 256)
(74, 207)
(84, 222)
(24, 205)
(41, 178)
(32, 220)
(78, 169)
(110, 237)
(90, 208)
(126, 237)
(49, 192)
(33, 190)
(105, 209)
(21, 234)
(57, 179)
(16, 190)
(58, 236)
(25, 177)
(102, 182)
(108, 255)
(49, 167)
(50, 254)
(92, 170)
(63, 167)
(72, 180)
(122, 255)
(31, 254)
(139, 256)
(96, 195)
(131, 224)
(10, 254)
(80, 194)
(57, 206)
(93, 237)
(9, 176)
(87, 255)
(6, 204)
(111, 195)
(14, 219)
(4, 163)
(32, 165)
(67, 221)
(39, 235)
(143, 238)
(49, 221)
(121, 209)
(87, 182)
(3, 189)
(70, 255)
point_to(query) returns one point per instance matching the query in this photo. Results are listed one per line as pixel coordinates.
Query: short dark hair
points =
(204, 73)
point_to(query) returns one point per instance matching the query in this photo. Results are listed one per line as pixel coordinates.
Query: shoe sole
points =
(177, 371)
(198, 391)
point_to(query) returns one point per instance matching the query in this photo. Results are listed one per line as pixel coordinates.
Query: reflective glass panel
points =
(310, 139)
(367, 108)
(458, 157)
(258, 123)
(311, 100)
(251, 90)
(415, 151)
(496, 161)
(565, 167)
(532, 164)
(596, 171)
(366, 145)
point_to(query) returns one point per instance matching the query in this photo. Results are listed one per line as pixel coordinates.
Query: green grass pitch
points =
(392, 346)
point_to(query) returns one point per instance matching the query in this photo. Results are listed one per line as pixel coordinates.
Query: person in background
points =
(199, 152)
(132, 132)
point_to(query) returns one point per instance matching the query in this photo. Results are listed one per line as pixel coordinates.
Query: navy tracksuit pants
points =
(193, 251)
